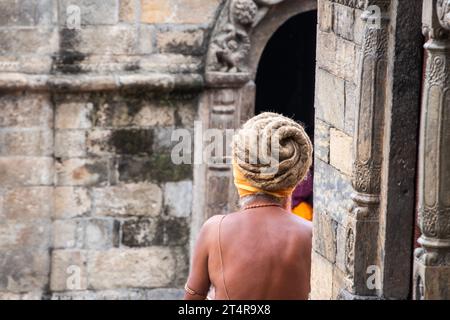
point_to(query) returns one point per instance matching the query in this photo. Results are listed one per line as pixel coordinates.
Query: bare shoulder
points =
(210, 226)
(305, 227)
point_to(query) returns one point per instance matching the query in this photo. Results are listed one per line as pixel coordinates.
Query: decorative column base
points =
(431, 274)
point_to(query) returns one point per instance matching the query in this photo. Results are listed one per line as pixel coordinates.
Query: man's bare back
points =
(266, 254)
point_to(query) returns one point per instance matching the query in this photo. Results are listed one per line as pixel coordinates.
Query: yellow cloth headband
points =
(245, 188)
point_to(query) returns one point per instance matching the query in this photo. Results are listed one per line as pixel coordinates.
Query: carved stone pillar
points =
(363, 220)
(228, 103)
(432, 260)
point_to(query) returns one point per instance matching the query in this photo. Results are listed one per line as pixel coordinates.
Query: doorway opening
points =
(285, 83)
(286, 72)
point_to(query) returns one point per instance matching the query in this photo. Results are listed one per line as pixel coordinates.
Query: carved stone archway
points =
(239, 37)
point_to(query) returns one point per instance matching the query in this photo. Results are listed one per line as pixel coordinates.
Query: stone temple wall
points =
(340, 35)
(90, 204)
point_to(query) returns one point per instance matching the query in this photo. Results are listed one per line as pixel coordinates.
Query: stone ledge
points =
(95, 82)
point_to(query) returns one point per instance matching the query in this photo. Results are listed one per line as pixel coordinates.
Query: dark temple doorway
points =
(285, 83)
(286, 73)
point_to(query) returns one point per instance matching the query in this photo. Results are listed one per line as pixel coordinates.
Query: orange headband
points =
(245, 188)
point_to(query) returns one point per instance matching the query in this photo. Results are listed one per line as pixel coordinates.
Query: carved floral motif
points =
(438, 73)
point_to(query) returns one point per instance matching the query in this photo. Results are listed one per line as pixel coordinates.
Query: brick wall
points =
(339, 44)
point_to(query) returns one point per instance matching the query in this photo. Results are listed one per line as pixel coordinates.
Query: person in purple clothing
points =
(302, 198)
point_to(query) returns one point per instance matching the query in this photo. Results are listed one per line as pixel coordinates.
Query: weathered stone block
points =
(124, 141)
(26, 143)
(101, 234)
(70, 143)
(172, 231)
(73, 115)
(81, 172)
(91, 12)
(71, 202)
(322, 140)
(150, 231)
(27, 12)
(132, 268)
(146, 39)
(26, 40)
(27, 203)
(178, 198)
(158, 167)
(189, 41)
(346, 61)
(29, 171)
(134, 112)
(26, 63)
(337, 55)
(139, 199)
(178, 11)
(324, 238)
(100, 40)
(341, 154)
(321, 278)
(173, 63)
(350, 107)
(97, 142)
(332, 191)
(24, 270)
(325, 13)
(182, 267)
(35, 234)
(67, 234)
(162, 141)
(68, 270)
(344, 20)
(26, 110)
(330, 99)
(140, 233)
(132, 141)
(127, 11)
(326, 50)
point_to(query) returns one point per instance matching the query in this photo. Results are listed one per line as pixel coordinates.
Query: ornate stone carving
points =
(433, 25)
(230, 44)
(367, 176)
(438, 72)
(350, 252)
(443, 13)
(368, 152)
